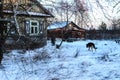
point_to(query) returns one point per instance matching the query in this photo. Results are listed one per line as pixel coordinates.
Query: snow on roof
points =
(58, 25)
(27, 13)
(38, 14)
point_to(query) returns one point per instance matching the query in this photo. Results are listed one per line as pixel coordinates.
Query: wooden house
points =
(65, 30)
(25, 23)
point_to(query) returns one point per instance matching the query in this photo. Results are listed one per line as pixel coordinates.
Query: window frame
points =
(34, 29)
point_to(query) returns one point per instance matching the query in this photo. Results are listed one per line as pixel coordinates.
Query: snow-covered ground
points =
(73, 61)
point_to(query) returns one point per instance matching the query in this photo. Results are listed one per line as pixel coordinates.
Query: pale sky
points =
(96, 13)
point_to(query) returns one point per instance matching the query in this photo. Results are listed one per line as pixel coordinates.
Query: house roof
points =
(57, 25)
(45, 12)
(62, 24)
(27, 13)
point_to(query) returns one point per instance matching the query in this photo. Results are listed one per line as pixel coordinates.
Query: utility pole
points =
(1, 31)
(1, 9)
(1, 18)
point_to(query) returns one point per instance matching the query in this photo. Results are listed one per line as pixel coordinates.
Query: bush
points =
(41, 56)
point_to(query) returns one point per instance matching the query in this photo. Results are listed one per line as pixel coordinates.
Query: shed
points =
(65, 30)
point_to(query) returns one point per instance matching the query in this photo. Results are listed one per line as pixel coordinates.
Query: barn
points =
(65, 30)
(25, 24)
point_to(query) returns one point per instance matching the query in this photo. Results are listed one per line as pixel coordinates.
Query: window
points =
(34, 27)
(79, 33)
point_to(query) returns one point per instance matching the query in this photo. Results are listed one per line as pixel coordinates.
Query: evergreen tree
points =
(103, 26)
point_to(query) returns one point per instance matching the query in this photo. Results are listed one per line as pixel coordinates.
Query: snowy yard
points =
(73, 61)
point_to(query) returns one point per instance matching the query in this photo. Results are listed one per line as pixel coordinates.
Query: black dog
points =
(91, 46)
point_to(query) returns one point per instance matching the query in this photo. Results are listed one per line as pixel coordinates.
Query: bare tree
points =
(81, 12)
(64, 9)
(14, 6)
(115, 24)
(117, 4)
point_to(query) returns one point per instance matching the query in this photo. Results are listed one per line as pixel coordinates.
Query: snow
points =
(58, 25)
(49, 63)
(28, 13)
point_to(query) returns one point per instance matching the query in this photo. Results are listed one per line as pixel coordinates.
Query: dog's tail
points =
(95, 47)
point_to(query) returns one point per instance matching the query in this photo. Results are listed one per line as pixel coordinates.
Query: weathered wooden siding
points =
(65, 34)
